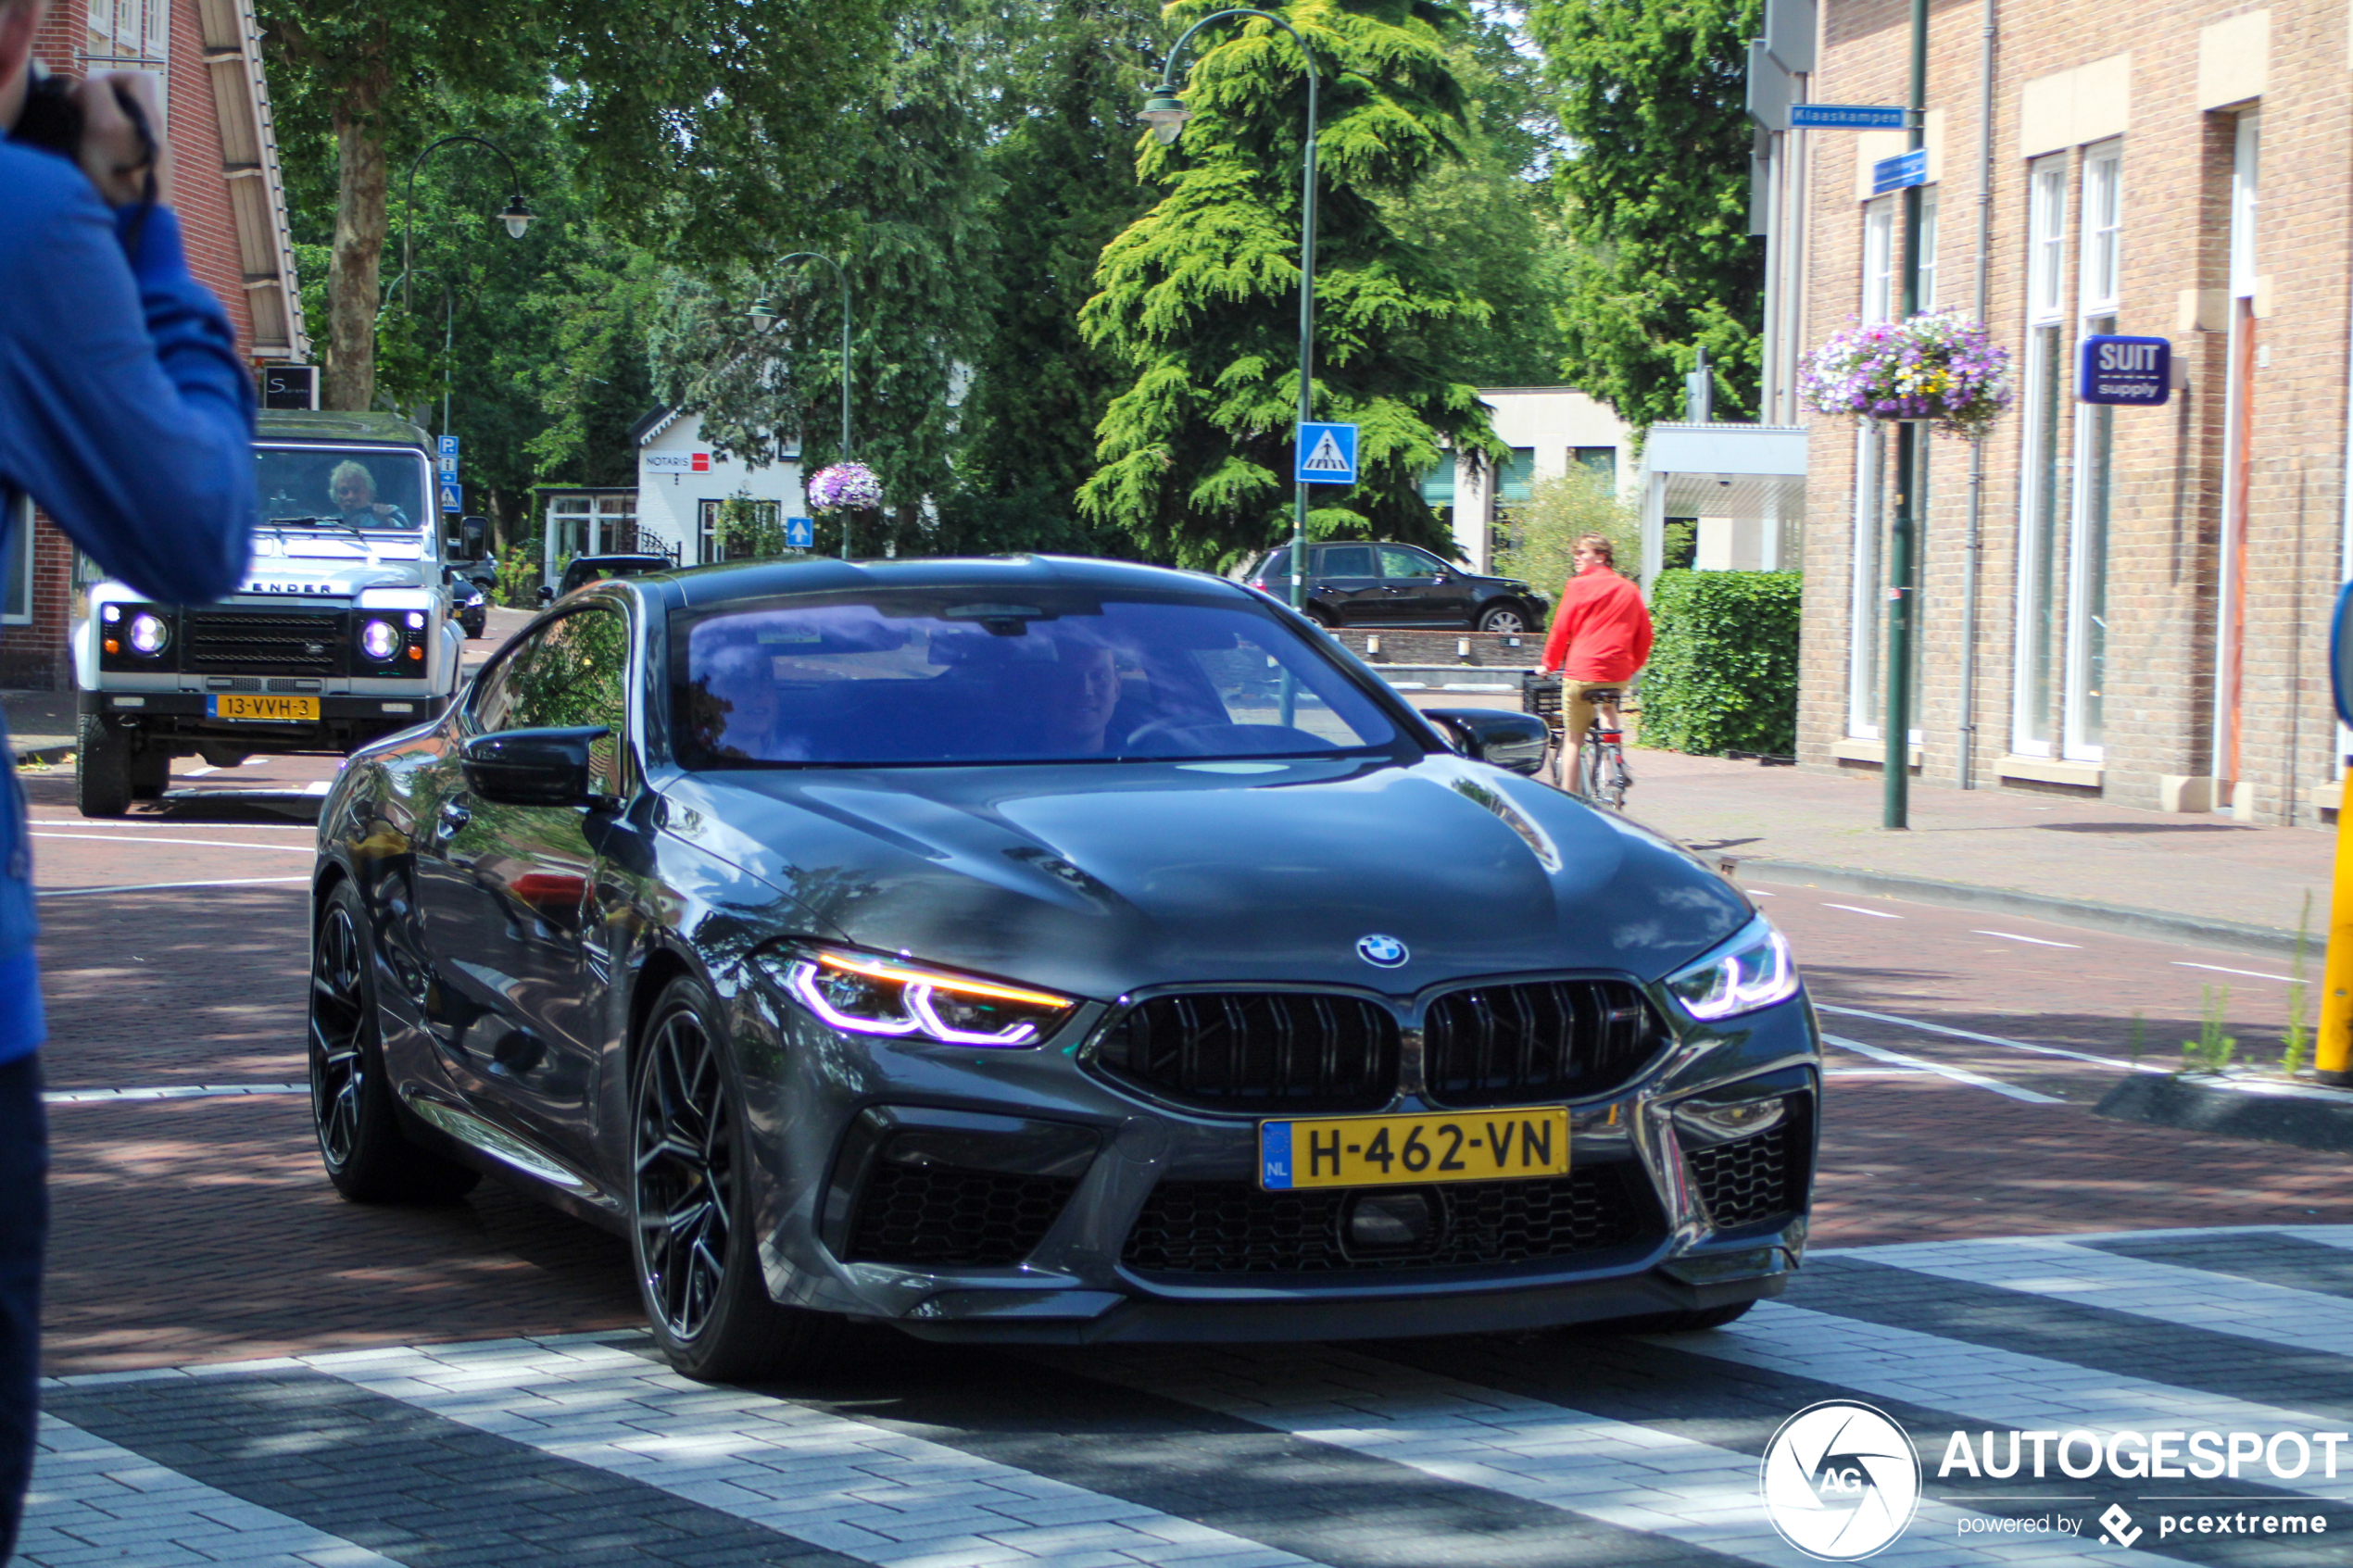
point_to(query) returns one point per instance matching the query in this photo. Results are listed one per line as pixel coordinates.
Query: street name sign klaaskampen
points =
(2125, 371)
(1847, 116)
(1903, 170)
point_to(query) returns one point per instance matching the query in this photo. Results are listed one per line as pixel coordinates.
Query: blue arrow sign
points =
(453, 496)
(800, 534)
(1847, 116)
(1903, 170)
(1327, 455)
(448, 446)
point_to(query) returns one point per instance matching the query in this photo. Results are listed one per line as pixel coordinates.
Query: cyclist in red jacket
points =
(1601, 635)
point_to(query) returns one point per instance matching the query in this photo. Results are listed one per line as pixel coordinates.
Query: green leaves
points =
(1723, 672)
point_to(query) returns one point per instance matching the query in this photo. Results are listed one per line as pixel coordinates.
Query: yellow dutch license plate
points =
(256, 706)
(1465, 1146)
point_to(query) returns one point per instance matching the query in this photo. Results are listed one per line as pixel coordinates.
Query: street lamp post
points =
(763, 315)
(1165, 112)
(517, 216)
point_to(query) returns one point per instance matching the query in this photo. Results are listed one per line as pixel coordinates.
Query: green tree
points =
(702, 122)
(1561, 511)
(1655, 190)
(1198, 299)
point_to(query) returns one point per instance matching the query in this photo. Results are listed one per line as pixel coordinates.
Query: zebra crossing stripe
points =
(858, 1489)
(1632, 1476)
(2275, 1315)
(93, 1501)
(1984, 1387)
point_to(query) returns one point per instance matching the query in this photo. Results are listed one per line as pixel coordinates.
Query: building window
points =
(2081, 730)
(766, 523)
(1879, 261)
(1928, 251)
(1600, 461)
(2043, 501)
(1866, 698)
(15, 581)
(1515, 483)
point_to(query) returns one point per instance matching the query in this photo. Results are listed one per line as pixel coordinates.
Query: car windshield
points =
(372, 488)
(993, 674)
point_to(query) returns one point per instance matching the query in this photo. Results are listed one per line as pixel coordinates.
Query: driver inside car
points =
(353, 489)
(1075, 695)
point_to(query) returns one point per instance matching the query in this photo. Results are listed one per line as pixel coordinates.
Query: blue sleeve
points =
(124, 408)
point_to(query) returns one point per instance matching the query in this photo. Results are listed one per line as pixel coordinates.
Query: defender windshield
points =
(343, 487)
(993, 674)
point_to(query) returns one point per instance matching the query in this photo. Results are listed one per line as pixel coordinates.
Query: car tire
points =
(101, 768)
(368, 1157)
(1319, 615)
(691, 1239)
(1509, 619)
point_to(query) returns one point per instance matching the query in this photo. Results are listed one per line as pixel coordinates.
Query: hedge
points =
(1723, 672)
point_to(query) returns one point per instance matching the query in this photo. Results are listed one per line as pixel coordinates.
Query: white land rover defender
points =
(341, 631)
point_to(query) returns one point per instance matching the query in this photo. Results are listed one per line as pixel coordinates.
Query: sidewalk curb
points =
(2117, 920)
(2301, 1117)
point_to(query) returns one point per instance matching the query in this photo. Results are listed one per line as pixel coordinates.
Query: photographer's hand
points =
(112, 154)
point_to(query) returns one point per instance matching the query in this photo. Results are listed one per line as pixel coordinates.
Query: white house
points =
(682, 483)
(1548, 428)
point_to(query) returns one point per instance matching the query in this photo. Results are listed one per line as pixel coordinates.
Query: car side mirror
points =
(532, 767)
(475, 532)
(546, 595)
(1515, 742)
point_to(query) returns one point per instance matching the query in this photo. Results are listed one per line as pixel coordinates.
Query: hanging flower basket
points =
(844, 487)
(1939, 369)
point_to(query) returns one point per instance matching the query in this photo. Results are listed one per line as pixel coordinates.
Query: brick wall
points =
(2168, 472)
(35, 656)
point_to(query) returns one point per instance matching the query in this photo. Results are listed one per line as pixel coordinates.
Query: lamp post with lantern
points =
(516, 214)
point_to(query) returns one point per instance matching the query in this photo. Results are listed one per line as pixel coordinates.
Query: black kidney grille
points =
(1760, 1177)
(1236, 1228)
(939, 1215)
(262, 642)
(1508, 1044)
(1258, 1051)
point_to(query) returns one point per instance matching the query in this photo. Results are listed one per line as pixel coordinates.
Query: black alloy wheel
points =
(1508, 618)
(691, 1233)
(367, 1156)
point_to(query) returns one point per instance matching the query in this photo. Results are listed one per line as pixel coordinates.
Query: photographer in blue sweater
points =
(127, 415)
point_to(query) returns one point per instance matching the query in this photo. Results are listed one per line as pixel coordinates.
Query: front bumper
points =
(342, 722)
(1010, 1196)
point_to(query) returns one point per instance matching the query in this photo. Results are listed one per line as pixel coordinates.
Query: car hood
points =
(1099, 879)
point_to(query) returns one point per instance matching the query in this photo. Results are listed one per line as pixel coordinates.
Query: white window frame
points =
(2046, 274)
(2099, 287)
(1928, 250)
(17, 550)
(1863, 634)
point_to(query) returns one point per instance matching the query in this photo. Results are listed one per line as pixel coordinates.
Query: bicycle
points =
(1598, 772)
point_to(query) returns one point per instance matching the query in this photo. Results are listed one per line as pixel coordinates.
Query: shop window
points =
(2081, 716)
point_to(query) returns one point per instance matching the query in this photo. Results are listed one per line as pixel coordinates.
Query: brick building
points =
(2144, 615)
(233, 211)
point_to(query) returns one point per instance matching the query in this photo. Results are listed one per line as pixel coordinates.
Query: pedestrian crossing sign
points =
(1326, 454)
(453, 496)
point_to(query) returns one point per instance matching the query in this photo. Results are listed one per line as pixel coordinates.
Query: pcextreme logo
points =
(1840, 1481)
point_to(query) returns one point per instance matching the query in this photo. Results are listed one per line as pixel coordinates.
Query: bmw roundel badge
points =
(1381, 952)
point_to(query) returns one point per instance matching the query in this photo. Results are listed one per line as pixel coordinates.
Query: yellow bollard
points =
(2333, 1049)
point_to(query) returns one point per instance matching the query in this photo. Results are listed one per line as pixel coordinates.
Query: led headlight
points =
(865, 995)
(149, 634)
(1752, 970)
(380, 639)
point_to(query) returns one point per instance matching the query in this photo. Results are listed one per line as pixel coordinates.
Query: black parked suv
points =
(1375, 585)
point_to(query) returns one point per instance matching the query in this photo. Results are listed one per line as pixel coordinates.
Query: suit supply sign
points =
(2134, 371)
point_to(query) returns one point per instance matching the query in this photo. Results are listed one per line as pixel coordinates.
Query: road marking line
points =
(2014, 936)
(1991, 1039)
(170, 1091)
(157, 886)
(1958, 1074)
(151, 838)
(1875, 1073)
(1858, 910)
(2253, 973)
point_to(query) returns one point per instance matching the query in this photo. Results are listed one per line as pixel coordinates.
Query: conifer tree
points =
(1199, 298)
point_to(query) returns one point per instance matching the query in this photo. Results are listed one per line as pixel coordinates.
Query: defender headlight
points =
(866, 995)
(380, 639)
(1752, 970)
(149, 634)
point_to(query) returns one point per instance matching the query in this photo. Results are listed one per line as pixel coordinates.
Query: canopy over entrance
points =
(1746, 484)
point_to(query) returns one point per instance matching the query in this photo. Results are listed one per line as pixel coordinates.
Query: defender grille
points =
(1236, 1228)
(1258, 1051)
(1510, 1044)
(1757, 1178)
(943, 1215)
(262, 642)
